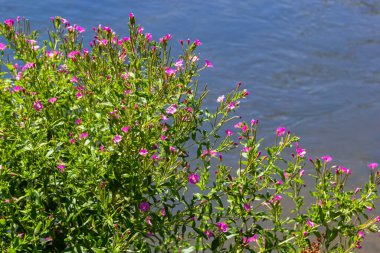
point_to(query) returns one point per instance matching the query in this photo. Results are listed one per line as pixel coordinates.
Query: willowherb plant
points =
(105, 150)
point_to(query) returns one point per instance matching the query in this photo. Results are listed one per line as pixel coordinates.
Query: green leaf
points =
(188, 250)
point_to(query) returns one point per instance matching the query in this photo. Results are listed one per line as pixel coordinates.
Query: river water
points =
(312, 66)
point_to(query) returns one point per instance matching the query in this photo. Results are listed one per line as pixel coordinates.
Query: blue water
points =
(312, 66)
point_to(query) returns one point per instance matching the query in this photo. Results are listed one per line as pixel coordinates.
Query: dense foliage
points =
(109, 149)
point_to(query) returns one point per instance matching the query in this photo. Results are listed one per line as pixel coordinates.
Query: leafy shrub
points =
(111, 150)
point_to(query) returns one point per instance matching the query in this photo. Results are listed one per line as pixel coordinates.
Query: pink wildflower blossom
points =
(83, 135)
(310, 223)
(229, 132)
(144, 206)
(372, 166)
(148, 37)
(125, 129)
(170, 72)
(178, 63)
(193, 178)
(74, 79)
(231, 106)
(223, 227)
(238, 125)
(9, 22)
(246, 240)
(220, 99)
(28, 65)
(208, 233)
(208, 64)
(79, 28)
(61, 168)
(326, 158)
(2, 46)
(117, 139)
(246, 149)
(73, 54)
(280, 131)
(197, 42)
(172, 109)
(247, 207)
(300, 151)
(52, 100)
(143, 152)
(38, 105)
(254, 122)
(79, 95)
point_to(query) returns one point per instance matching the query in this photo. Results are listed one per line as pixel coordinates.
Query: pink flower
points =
(231, 106)
(117, 139)
(208, 64)
(377, 219)
(280, 131)
(238, 125)
(148, 37)
(73, 54)
(326, 158)
(361, 234)
(247, 207)
(229, 132)
(344, 170)
(74, 79)
(372, 166)
(300, 151)
(38, 105)
(79, 95)
(275, 199)
(244, 128)
(28, 65)
(197, 42)
(2, 46)
(9, 22)
(208, 233)
(193, 178)
(310, 223)
(79, 28)
(254, 122)
(170, 72)
(178, 63)
(61, 168)
(144, 206)
(83, 135)
(223, 227)
(52, 100)
(155, 157)
(78, 121)
(246, 240)
(172, 109)
(302, 172)
(125, 129)
(220, 99)
(72, 141)
(246, 149)
(143, 152)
